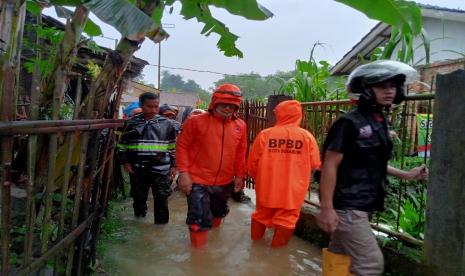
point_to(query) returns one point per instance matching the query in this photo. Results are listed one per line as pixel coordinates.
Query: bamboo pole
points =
(17, 125)
(51, 130)
(32, 156)
(109, 147)
(64, 190)
(57, 248)
(52, 152)
(11, 22)
(80, 178)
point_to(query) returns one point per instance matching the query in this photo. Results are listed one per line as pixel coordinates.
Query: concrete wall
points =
(444, 35)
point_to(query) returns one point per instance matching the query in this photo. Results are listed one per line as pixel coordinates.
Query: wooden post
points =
(445, 216)
(273, 101)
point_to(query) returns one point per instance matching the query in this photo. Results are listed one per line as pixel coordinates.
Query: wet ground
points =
(165, 249)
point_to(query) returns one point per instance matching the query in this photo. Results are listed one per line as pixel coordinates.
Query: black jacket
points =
(361, 175)
(148, 145)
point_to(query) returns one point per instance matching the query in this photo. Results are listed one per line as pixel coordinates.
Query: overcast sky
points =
(268, 46)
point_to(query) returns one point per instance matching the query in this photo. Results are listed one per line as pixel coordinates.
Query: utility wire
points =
(205, 71)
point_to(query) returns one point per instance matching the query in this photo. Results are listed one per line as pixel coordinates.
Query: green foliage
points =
(200, 10)
(312, 81)
(204, 100)
(112, 230)
(95, 48)
(255, 86)
(411, 207)
(91, 28)
(128, 19)
(403, 15)
(52, 38)
(93, 70)
(175, 83)
(33, 7)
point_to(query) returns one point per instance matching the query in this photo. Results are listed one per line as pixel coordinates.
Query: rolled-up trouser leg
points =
(139, 192)
(199, 215)
(353, 237)
(161, 190)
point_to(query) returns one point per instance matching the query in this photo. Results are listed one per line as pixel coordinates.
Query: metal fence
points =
(66, 181)
(319, 116)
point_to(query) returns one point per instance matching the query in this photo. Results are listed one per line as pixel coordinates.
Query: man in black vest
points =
(146, 150)
(356, 154)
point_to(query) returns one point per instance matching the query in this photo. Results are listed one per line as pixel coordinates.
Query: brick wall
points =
(427, 72)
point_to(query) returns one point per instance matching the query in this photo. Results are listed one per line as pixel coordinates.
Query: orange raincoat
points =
(212, 149)
(281, 160)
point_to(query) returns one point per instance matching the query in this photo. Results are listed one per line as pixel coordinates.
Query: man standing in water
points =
(355, 165)
(210, 155)
(146, 150)
(281, 160)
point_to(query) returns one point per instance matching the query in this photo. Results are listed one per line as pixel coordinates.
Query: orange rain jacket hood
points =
(212, 149)
(226, 93)
(282, 158)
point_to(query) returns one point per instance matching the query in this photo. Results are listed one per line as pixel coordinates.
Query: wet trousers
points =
(141, 182)
(206, 202)
(286, 218)
(353, 237)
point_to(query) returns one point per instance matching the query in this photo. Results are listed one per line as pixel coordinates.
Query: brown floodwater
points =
(165, 249)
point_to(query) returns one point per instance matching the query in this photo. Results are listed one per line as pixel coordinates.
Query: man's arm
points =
(183, 144)
(239, 163)
(417, 173)
(328, 218)
(329, 177)
(254, 156)
(122, 148)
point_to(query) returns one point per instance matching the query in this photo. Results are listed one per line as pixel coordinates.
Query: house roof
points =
(178, 99)
(380, 34)
(134, 68)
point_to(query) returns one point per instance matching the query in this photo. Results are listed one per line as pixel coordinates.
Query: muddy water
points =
(165, 249)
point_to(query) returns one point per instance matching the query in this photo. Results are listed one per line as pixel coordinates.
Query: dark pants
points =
(140, 183)
(205, 203)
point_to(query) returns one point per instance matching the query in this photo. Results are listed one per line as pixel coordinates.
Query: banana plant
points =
(312, 80)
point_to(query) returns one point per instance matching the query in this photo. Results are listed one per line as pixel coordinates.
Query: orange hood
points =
(288, 113)
(226, 93)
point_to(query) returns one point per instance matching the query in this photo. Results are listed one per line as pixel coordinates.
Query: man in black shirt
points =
(355, 164)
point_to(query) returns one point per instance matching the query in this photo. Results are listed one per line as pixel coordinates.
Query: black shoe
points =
(240, 197)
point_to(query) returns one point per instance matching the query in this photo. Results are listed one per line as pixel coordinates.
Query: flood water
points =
(165, 249)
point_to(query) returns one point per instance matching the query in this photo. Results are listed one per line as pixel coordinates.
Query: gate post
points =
(445, 217)
(273, 101)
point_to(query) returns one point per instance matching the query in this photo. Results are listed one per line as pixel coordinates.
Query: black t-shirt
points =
(341, 136)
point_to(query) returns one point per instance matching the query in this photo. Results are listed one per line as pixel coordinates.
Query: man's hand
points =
(172, 173)
(238, 184)
(185, 182)
(127, 168)
(327, 219)
(418, 173)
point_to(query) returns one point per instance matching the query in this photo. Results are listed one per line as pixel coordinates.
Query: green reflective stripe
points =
(121, 146)
(148, 147)
(171, 146)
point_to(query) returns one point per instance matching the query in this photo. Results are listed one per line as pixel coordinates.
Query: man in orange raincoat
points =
(211, 153)
(281, 161)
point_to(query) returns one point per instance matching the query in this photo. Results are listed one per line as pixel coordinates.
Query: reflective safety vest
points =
(148, 144)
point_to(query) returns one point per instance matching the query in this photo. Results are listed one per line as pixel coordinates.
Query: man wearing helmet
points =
(211, 153)
(355, 164)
